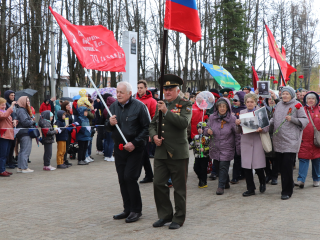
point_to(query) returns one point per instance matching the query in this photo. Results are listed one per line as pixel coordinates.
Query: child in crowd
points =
(62, 138)
(83, 135)
(47, 138)
(84, 101)
(200, 146)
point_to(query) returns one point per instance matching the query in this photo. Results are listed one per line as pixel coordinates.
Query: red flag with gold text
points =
(95, 46)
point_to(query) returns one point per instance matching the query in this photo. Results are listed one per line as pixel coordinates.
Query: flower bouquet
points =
(290, 112)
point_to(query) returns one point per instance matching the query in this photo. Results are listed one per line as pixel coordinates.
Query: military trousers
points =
(177, 169)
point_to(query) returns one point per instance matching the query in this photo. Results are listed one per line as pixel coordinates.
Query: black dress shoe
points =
(262, 188)
(274, 182)
(234, 181)
(122, 215)
(161, 222)
(174, 225)
(268, 179)
(146, 180)
(133, 217)
(285, 197)
(248, 193)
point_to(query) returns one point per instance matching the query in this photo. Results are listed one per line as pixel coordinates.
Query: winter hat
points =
(201, 125)
(83, 93)
(290, 90)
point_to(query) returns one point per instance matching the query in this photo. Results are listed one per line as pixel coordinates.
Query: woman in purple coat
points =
(223, 141)
(252, 153)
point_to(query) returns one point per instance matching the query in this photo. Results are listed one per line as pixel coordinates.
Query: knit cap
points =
(290, 90)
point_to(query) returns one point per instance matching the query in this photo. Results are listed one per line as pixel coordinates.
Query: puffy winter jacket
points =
(45, 107)
(45, 122)
(149, 101)
(63, 136)
(307, 149)
(224, 141)
(83, 134)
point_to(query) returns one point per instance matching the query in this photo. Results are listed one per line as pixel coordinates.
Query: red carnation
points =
(275, 82)
(301, 76)
(272, 77)
(121, 147)
(298, 106)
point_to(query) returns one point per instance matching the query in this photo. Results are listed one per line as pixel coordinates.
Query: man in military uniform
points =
(246, 89)
(172, 153)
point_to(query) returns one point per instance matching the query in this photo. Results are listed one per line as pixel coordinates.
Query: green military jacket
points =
(174, 130)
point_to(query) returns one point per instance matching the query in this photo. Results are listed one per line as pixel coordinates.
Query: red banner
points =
(255, 78)
(95, 46)
(275, 53)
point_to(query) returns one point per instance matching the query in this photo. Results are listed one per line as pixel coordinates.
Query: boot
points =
(66, 162)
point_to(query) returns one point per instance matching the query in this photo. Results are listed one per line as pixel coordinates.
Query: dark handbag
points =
(34, 133)
(316, 139)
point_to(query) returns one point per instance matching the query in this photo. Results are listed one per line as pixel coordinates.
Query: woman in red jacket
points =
(45, 106)
(308, 150)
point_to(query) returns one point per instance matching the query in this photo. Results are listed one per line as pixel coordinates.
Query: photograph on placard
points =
(263, 88)
(262, 117)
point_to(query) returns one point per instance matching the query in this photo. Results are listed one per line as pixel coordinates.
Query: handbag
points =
(266, 142)
(34, 133)
(316, 138)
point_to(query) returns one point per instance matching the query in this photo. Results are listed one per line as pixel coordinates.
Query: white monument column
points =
(130, 47)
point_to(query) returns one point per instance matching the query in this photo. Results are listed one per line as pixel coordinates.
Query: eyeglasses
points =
(235, 100)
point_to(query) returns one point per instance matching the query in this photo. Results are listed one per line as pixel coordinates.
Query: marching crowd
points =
(215, 135)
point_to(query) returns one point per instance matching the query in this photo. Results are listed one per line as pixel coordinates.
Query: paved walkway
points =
(79, 202)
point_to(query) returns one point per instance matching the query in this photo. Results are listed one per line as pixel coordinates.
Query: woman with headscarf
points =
(287, 137)
(7, 135)
(25, 121)
(252, 153)
(221, 129)
(308, 150)
(65, 106)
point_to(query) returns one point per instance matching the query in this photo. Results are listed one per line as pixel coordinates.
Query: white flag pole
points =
(105, 105)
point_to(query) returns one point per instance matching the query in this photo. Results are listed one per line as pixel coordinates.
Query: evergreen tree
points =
(232, 31)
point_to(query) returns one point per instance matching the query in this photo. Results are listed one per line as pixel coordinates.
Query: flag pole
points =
(105, 105)
(163, 61)
(284, 82)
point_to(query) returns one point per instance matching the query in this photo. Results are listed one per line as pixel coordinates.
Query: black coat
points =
(133, 120)
(63, 136)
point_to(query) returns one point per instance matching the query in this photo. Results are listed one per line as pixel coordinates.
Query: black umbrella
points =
(25, 92)
(66, 99)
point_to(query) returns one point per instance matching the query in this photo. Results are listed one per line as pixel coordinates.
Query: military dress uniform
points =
(171, 159)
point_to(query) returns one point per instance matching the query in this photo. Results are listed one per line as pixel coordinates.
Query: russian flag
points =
(183, 16)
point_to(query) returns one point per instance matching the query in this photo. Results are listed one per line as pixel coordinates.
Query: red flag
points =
(183, 16)
(290, 69)
(2, 131)
(45, 131)
(255, 78)
(78, 128)
(95, 46)
(275, 53)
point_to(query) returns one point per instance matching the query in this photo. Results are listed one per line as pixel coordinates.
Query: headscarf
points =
(22, 102)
